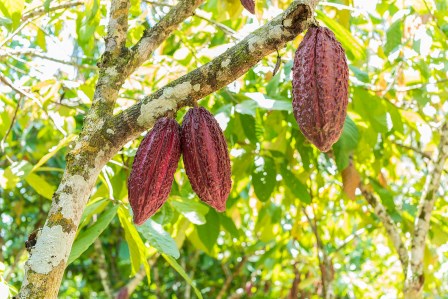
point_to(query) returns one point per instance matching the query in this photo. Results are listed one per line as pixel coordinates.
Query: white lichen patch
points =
(196, 87)
(52, 247)
(69, 202)
(276, 32)
(225, 63)
(110, 131)
(168, 100)
(111, 71)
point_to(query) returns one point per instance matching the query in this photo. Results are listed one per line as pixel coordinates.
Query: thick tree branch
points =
(152, 38)
(216, 74)
(415, 277)
(389, 225)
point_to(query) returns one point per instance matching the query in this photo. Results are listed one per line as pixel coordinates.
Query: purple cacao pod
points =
(320, 87)
(153, 170)
(206, 157)
(249, 5)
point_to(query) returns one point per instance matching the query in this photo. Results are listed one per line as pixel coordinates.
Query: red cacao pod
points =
(249, 5)
(320, 87)
(206, 157)
(153, 170)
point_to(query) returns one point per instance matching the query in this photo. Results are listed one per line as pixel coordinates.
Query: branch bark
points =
(415, 274)
(103, 135)
(389, 225)
(325, 263)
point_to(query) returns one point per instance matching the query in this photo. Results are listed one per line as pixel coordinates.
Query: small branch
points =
(227, 30)
(31, 13)
(416, 150)
(349, 239)
(230, 277)
(8, 82)
(102, 268)
(2, 143)
(154, 36)
(389, 225)
(9, 37)
(426, 206)
(130, 287)
(324, 262)
(39, 54)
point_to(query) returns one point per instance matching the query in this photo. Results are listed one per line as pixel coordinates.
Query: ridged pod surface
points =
(320, 87)
(249, 5)
(206, 157)
(153, 170)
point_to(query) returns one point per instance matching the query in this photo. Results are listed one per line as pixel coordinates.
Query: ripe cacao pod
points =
(320, 87)
(153, 170)
(249, 5)
(206, 157)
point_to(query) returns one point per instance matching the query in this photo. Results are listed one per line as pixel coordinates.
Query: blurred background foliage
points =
(291, 207)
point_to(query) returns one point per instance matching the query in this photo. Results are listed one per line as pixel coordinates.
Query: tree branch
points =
(153, 37)
(415, 275)
(389, 225)
(102, 268)
(216, 74)
(31, 13)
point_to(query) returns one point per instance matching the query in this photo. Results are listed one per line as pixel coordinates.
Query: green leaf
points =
(94, 207)
(393, 36)
(137, 248)
(349, 43)
(159, 238)
(40, 185)
(86, 238)
(192, 210)
(208, 234)
(12, 10)
(182, 273)
(297, 188)
(229, 225)
(264, 177)
(346, 144)
(64, 142)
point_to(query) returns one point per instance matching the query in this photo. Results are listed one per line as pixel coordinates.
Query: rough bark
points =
(104, 134)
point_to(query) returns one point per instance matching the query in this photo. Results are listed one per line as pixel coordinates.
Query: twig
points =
(2, 144)
(6, 81)
(230, 277)
(324, 262)
(102, 268)
(227, 30)
(39, 54)
(9, 37)
(389, 225)
(31, 13)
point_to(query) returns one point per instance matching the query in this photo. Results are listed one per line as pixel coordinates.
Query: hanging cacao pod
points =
(249, 5)
(206, 157)
(320, 87)
(153, 170)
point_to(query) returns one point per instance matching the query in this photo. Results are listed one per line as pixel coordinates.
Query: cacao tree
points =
(83, 84)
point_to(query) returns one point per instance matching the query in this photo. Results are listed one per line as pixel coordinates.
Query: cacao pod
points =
(153, 169)
(249, 5)
(206, 157)
(320, 87)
